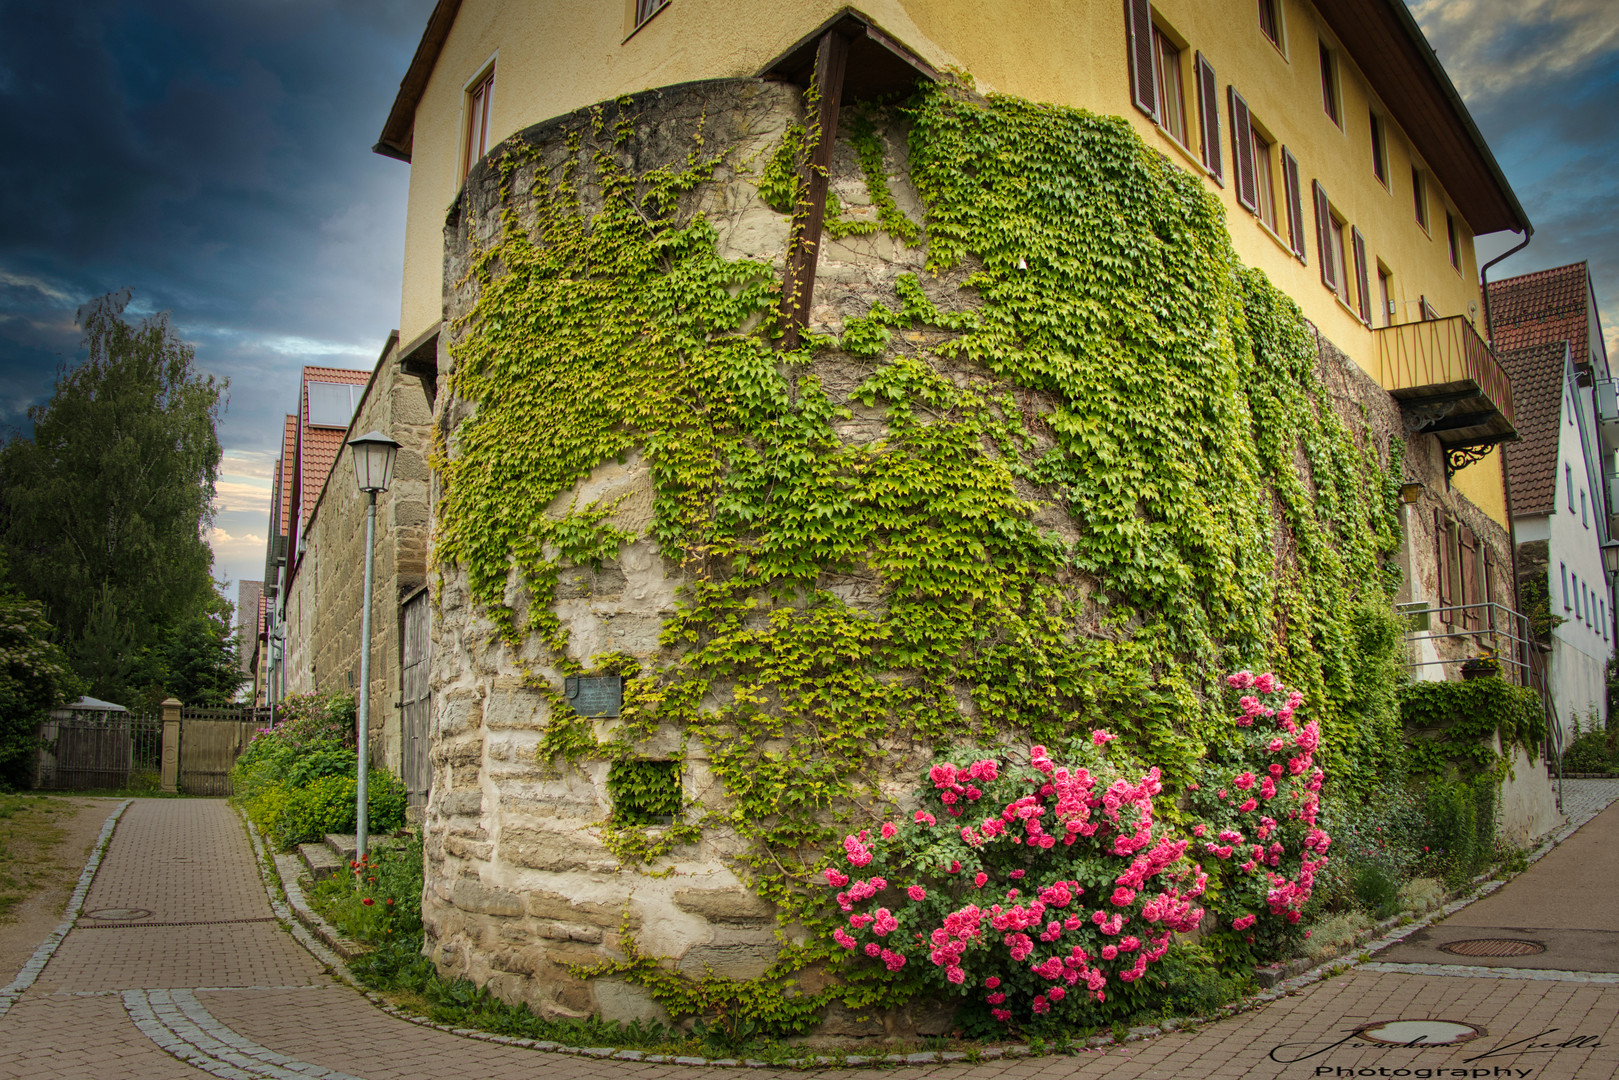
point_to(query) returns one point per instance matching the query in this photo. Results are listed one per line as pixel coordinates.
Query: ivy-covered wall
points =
(1050, 459)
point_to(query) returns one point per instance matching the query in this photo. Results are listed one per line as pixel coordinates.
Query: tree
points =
(107, 506)
(34, 678)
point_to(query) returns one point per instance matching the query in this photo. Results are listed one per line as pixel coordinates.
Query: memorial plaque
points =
(594, 695)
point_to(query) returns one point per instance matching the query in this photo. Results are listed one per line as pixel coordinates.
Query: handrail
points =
(1497, 621)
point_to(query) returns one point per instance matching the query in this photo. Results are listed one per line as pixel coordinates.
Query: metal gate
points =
(84, 750)
(416, 648)
(210, 742)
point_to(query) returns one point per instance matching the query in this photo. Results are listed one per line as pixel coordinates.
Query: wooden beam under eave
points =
(798, 289)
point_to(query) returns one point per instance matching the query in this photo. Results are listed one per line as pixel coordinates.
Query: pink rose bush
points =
(1042, 889)
(1259, 831)
(1047, 890)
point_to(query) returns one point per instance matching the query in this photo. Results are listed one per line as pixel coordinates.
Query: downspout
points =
(1484, 284)
(1506, 484)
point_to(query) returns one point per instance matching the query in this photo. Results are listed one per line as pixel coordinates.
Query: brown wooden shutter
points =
(1208, 100)
(1467, 555)
(1138, 27)
(1242, 152)
(1487, 595)
(1295, 205)
(1323, 237)
(1363, 294)
(1441, 549)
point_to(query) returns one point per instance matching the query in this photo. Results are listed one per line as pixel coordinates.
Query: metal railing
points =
(1441, 352)
(1506, 630)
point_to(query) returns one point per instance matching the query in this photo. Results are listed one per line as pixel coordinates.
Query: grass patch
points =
(30, 829)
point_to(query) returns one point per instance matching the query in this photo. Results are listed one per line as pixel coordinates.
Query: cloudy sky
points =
(215, 158)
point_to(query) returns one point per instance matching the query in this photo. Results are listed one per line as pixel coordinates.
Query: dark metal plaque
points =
(594, 695)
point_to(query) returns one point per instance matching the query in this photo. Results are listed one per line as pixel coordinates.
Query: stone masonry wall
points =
(395, 405)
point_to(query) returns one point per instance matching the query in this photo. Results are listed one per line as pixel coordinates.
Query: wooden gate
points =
(416, 648)
(210, 742)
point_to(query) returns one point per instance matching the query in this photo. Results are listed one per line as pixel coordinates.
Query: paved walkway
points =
(210, 984)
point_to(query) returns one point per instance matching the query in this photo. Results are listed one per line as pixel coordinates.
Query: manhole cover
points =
(1421, 1032)
(1493, 947)
(118, 914)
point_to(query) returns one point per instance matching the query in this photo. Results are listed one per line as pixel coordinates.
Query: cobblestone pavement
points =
(225, 991)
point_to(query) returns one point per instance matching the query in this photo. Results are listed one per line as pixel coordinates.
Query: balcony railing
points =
(1448, 383)
(1492, 629)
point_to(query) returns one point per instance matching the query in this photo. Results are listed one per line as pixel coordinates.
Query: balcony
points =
(1449, 385)
(1607, 395)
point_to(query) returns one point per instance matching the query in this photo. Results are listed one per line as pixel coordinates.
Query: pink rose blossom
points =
(916, 892)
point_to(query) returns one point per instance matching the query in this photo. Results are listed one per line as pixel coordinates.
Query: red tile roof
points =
(321, 445)
(1535, 318)
(284, 467)
(1542, 307)
(1537, 401)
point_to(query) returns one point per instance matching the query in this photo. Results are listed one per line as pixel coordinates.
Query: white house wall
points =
(1583, 643)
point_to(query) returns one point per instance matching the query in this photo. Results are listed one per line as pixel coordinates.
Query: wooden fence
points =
(210, 742)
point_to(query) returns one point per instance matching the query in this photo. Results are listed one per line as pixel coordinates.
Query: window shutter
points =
(1208, 99)
(1138, 27)
(1442, 550)
(1363, 295)
(1467, 555)
(1323, 242)
(1242, 152)
(1487, 592)
(1295, 205)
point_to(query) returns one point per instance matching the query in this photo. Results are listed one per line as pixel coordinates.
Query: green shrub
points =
(1461, 828)
(1588, 752)
(1376, 891)
(323, 760)
(293, 815)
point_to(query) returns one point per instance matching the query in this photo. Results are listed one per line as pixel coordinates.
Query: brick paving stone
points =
(182, 857)
(80, 1038)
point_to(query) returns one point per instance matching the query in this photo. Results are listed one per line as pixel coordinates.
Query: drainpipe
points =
(1484, 284)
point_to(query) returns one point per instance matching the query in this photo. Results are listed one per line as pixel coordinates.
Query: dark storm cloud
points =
(1540, 79)
(215, 159)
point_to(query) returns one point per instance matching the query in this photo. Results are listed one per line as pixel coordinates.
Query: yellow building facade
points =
(1381, 167)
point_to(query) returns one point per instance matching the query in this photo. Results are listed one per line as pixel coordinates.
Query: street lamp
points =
(1610, 556)
(373, 469)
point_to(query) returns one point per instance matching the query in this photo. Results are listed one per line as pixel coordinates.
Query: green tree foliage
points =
(108, 504)
(34, 677)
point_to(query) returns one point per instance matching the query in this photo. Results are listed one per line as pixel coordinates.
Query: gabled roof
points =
(395, 140)
(1542, 307)
(1537, 374)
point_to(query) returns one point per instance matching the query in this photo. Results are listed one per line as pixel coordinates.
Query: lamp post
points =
(373, 469)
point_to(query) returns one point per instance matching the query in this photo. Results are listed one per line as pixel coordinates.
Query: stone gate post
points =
(171, 745)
